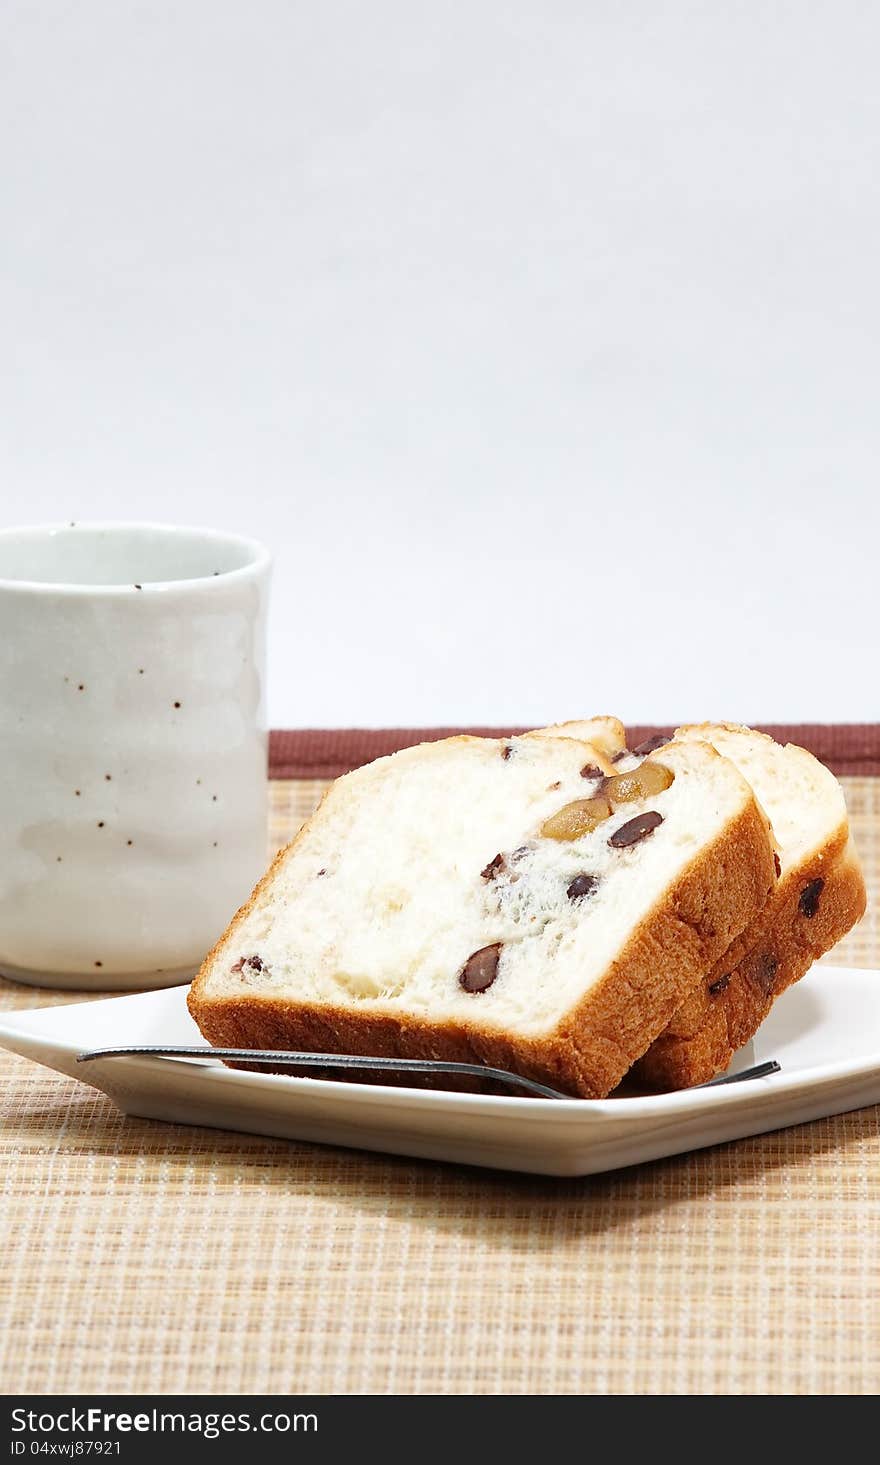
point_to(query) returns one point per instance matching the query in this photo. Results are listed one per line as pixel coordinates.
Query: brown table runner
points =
(326, 752)
(145, 1257)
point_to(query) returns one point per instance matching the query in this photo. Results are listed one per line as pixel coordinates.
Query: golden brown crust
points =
(589, 1053)
(729, 1005)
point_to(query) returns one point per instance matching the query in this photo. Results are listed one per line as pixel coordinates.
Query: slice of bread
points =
(819, 896)
(430, 908)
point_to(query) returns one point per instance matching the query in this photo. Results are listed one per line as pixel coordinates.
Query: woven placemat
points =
(141, 1257)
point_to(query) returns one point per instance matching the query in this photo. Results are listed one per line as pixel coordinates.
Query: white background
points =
(541, 341)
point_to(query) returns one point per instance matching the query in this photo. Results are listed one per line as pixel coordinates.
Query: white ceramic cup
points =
(132, 749)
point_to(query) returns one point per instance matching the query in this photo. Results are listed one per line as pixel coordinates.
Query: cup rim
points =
(259, 557)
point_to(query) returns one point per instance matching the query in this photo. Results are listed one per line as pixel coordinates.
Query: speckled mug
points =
(132, 749)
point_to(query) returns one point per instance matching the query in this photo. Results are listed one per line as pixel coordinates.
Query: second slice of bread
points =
(819, 896)
(424, 912)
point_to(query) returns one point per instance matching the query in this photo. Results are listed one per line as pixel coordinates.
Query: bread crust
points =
(767, 958)
(596, 1044)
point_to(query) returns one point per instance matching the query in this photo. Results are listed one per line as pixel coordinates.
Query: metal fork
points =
(348, 1061)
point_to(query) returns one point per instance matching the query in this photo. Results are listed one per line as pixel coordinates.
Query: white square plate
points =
(825, 1033)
